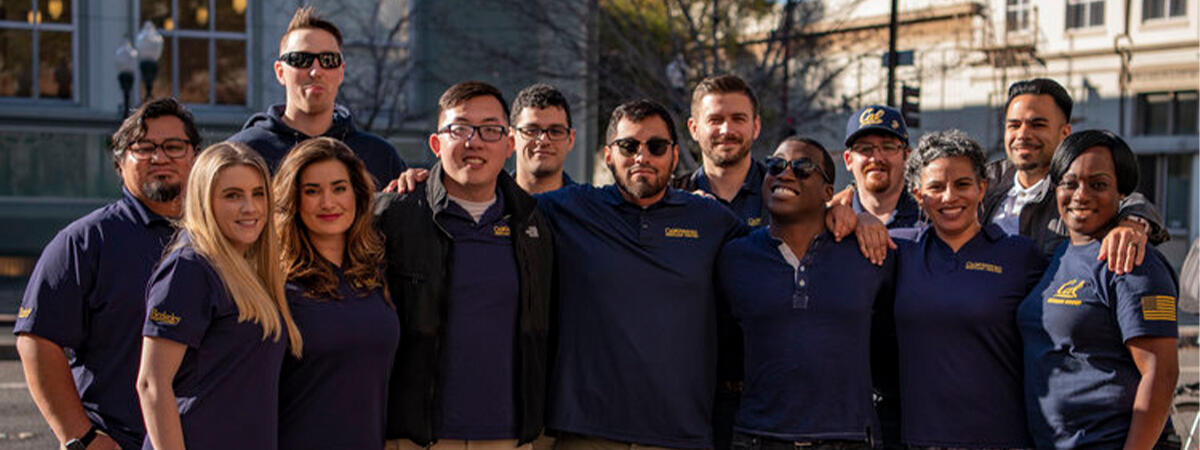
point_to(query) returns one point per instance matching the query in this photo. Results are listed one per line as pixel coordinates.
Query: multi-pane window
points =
(1018, 15)
(1158, 9)
(1085, 13)
(1168, 113)
(1166, 181)
(37, 49)
(204, 52)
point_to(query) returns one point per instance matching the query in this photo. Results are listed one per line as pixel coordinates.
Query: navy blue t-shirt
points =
(960, 350)
(87, 294)
(747, 204)
(335, 395)
(807, 335)
(227, 386)
(1080, 380)
(906, 215)
(479, 361)
(637, 343)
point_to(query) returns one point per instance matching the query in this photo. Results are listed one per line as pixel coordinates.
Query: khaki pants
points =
(572, 441)
(457, 444)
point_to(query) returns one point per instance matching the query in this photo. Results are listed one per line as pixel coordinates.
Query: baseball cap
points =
(876, 118)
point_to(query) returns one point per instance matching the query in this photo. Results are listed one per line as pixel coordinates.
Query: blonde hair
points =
(254, 281)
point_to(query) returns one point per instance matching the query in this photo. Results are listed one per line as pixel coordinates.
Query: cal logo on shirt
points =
(501, 230)
(163, 317)
(682, 233)
(24, 312)
(754, 221)
(1067, 294)
(985, 267)
(1158, 307)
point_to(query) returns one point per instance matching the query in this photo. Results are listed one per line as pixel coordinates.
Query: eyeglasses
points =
(802, 168)
(463, 132)
(554, 133)
(174, 148)
(304, 60)
(630, 146)
(869, 149)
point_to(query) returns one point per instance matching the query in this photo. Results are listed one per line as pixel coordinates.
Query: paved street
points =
(21, 427)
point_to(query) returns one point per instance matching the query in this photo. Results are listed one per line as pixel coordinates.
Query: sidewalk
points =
(8, 342)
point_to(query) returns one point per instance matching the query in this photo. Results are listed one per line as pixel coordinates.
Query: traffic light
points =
(910, 106)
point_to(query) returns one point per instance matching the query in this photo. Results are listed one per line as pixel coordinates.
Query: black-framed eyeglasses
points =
(802, 168)
(554, 133)
(304, 60)
(174, 148)
(464, 132)
(630, 146)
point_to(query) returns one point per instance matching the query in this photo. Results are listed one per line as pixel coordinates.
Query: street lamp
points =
(149, 49)
(126, 61)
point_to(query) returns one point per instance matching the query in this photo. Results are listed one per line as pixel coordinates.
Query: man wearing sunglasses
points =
(636, 353)
(78, 327)
(469, 268)
(806, 303)
(310, 68)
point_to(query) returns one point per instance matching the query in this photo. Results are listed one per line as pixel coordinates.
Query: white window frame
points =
(1024, 7)
(170, 38)
(1087, 14)
(35, 27)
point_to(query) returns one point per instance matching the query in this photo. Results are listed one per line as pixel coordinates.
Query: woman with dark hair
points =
(1100, 348)
(335, 395)
(958, 285)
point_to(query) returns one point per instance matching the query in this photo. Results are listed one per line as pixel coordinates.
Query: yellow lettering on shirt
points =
(163, 317)
(754, 221)
(984, 267)
(682, 233)
(1067, 294)
(501, 230)
(1158, 307)
(24, 312)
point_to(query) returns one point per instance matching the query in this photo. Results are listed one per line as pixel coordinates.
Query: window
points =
(1085, 13)
(1166, 181)
(1019, 15)
(1158, 9)
(204, 53)
(1168, 113)
(37, 49)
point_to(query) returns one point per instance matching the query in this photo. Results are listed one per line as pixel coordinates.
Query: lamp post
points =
(126, 61)
(149, 49)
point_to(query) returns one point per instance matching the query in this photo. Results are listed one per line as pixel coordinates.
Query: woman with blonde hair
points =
(336, 395)
(217, 325)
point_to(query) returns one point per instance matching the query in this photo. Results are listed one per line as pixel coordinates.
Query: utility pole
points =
(892, 57)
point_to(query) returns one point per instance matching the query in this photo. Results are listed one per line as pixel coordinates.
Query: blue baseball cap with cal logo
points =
(879, 119)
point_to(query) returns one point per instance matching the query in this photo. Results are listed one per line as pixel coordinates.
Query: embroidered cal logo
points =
(24, 312)
(501, 230)
(1067, 294)
(870, 117)
(163, 317)
(682, 233)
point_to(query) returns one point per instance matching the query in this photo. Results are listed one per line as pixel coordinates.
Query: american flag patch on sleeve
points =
(1158, 307)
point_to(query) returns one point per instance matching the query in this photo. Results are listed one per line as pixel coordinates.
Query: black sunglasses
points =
(802, 168)
(630, 146)
(304, 60)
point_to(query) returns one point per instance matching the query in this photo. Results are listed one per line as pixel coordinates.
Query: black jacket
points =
(418, 254)
(1039, 221)
(267, 134)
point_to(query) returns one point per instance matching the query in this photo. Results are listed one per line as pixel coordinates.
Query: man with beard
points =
(79, 324)
(636, 357)
(876, 147)
(808, 305)
(310, 68)
(725, 123)
(1019, 197)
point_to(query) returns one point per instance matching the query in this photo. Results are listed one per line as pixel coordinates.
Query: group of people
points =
(259, 293)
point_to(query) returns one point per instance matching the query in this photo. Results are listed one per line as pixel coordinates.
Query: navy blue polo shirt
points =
(747, 204)
(227, 385)
(959, 344)
(87, 294)
(479, 358)
(335, 395)
(1080, 380)
(906, 215)
(636, 358)
(807, 336)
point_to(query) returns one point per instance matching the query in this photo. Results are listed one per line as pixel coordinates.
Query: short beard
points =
(879, 188)
(641, 190)
(726, 160)
(160, 191)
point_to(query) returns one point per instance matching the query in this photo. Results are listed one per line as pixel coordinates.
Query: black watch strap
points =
(82, 442)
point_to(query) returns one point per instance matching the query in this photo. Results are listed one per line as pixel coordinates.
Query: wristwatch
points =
(82, 442)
